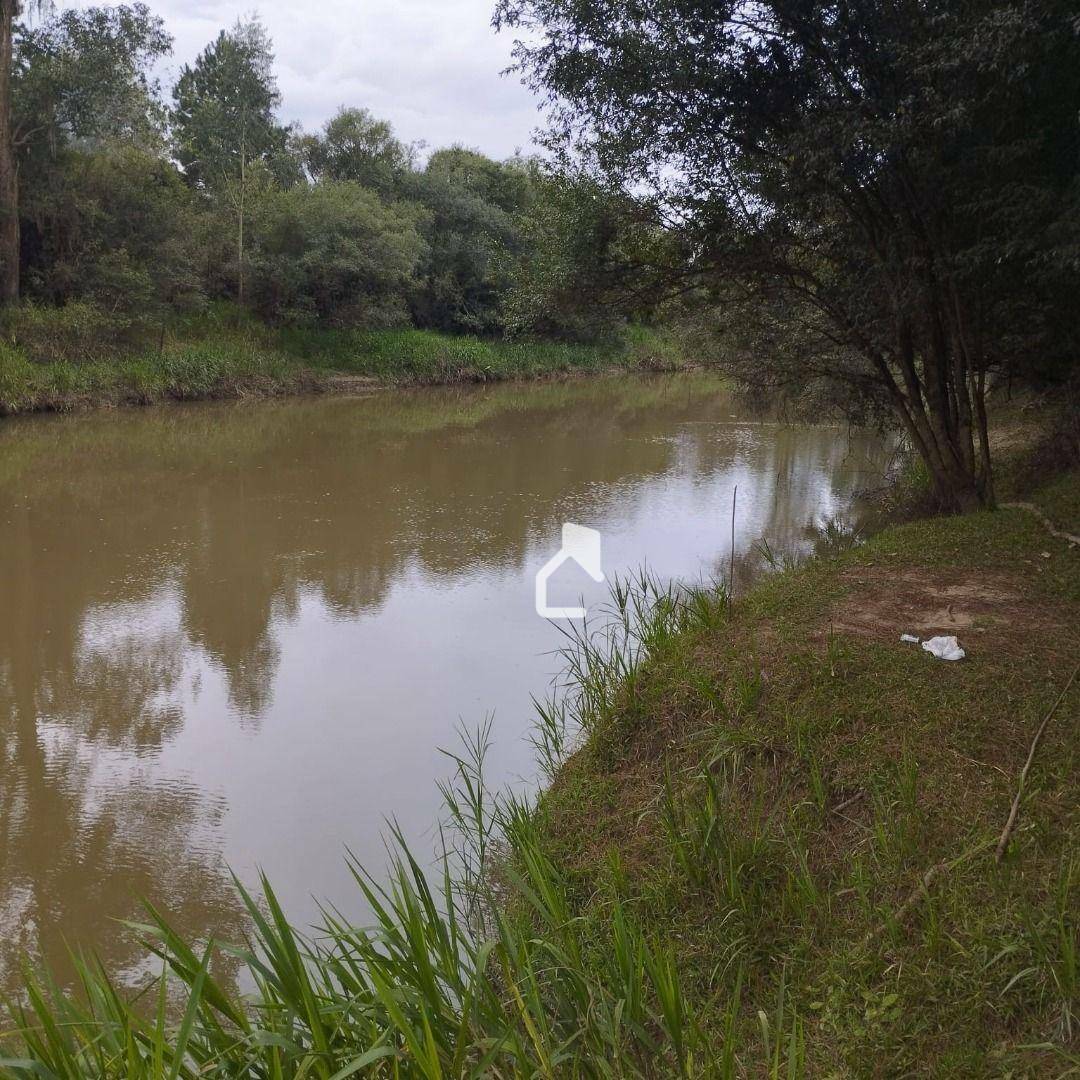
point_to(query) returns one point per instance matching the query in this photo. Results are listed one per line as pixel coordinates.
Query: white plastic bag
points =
(945, 648)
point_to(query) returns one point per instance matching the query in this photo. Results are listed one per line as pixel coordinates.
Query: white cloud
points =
(430, 67)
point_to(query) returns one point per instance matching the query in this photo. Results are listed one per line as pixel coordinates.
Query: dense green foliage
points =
(883, 199)
(147, 204)
(218, 353)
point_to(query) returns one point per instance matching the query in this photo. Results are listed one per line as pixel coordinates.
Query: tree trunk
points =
(9, 177)
(987, 476)
(936, 414)
(952, 474)
(955, 488)
(240, 212)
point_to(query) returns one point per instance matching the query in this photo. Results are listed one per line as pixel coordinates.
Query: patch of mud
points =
(884, 604)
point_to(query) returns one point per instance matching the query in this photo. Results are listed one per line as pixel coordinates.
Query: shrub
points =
(77, 332)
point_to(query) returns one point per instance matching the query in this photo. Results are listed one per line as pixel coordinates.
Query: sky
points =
(430, 67)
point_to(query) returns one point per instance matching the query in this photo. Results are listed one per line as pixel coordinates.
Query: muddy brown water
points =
(238, 635)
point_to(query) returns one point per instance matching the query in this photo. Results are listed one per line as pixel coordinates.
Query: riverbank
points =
(798, 803)
(59, 371)
(773, 853)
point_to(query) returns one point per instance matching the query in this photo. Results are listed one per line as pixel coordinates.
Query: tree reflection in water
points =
(341, 572)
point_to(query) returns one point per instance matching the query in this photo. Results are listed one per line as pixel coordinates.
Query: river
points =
(237, 635)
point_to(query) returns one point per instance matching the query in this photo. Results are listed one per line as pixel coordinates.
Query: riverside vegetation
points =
(52, 366)
(767, 848)
(886, 236)
(193, 245)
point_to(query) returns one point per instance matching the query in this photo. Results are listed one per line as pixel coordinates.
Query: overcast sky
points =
(430, 67)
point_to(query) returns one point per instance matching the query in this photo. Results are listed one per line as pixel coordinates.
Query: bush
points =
(78, 332)
(333, 254)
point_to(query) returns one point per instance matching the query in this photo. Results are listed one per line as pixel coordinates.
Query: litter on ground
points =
(945, 648)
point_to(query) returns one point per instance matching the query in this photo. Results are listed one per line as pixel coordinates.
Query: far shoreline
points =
(425, 359)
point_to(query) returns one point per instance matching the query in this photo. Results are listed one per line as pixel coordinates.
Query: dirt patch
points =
(883, 604)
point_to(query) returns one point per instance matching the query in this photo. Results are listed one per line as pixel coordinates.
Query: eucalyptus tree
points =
(891, 191)
(224, 119)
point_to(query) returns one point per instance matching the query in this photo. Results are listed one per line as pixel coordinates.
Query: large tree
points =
(586, 259)
(472, 232)
(224, 122)
(890, 189)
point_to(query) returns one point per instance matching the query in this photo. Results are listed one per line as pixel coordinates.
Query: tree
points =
(585, 260)
(333, 253)
(9, 174)
(356, 146)
(76, 77)
(471, 231)
(891, 188)
(223, 119)
(115, 225)
(86, 76)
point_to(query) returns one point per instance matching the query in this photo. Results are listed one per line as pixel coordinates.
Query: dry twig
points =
(1014, 811)
(1046, 523)
(923, 888)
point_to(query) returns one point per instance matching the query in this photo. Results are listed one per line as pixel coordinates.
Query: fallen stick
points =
(1014, 812)
(1046, 523)
(923, 888)
(838, 809)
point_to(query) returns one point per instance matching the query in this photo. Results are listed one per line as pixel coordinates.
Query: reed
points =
(479, 969)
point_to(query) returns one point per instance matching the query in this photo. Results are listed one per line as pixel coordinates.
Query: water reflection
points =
(239, 634)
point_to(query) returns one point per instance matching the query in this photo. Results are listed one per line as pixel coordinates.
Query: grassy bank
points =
(772, 852)
(57, 361)
(793, 797)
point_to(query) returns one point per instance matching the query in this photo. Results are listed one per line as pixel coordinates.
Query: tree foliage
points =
(334, 253)
(588, 259)
(86, 76)
(116, 226)
(471, 202)
(887, 192)
(145, 208)
(356, 146)
(224, 108)
(100, 205)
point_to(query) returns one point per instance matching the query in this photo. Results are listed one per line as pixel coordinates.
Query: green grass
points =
(707, 798)
(1060, 500)
(63, 360)
(723, 878)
